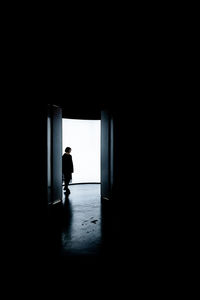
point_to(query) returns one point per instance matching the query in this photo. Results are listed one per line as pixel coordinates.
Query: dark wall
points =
(25, 190)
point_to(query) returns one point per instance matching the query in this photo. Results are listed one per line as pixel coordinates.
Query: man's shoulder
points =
(66, 156)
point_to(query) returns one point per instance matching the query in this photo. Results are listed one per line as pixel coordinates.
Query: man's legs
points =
(67, 180)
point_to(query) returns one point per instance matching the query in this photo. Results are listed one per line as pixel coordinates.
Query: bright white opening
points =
(84, 137)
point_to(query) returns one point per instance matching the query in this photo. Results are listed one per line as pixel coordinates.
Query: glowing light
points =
(83, 136)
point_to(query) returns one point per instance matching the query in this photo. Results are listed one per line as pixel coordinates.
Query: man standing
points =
(67, 168)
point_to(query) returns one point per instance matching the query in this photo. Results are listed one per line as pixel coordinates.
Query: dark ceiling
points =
(84, 109)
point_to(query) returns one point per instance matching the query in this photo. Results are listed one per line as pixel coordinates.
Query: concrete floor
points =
(81, 233)
(91, 241)
(79, 228)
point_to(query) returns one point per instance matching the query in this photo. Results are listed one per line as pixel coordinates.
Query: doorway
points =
(99, 165)
(84, 137)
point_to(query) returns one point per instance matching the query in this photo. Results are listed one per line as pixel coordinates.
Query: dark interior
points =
(133, 233)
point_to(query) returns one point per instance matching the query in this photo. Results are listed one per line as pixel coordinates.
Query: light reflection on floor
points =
(82, 233)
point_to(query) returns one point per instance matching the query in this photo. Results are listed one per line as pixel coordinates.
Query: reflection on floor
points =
(88, 238)
(79, 228)
(81, 233)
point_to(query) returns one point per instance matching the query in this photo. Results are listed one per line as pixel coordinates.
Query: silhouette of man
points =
(67, 168)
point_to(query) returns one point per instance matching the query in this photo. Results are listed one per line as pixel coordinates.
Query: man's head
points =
(68, 150)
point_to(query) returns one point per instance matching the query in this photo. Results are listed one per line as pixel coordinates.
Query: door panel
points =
(56, 153)
(49, 170)
(106, 155)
